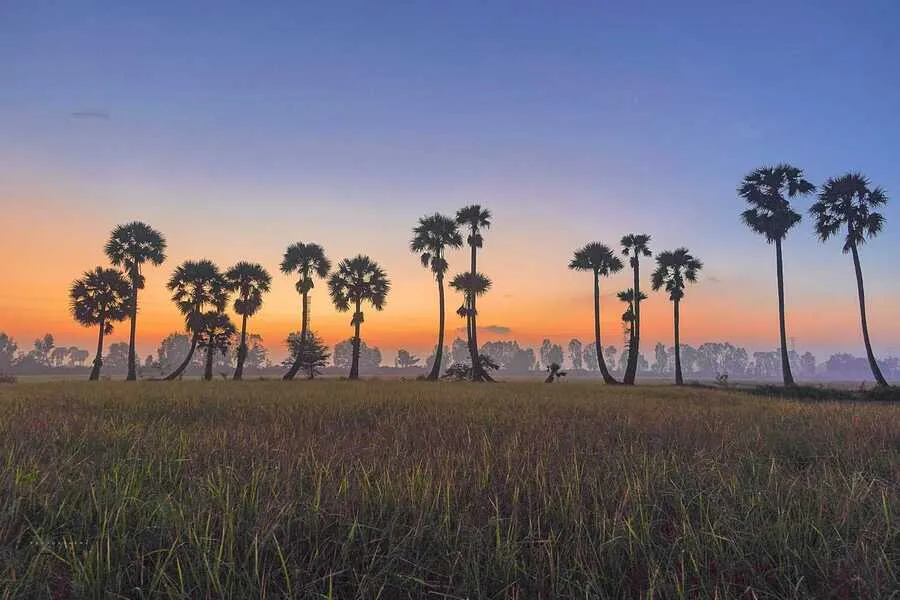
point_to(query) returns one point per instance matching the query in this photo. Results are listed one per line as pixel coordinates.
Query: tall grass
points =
(399, 489)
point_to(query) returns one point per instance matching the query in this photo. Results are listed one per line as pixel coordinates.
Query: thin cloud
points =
(494, 329)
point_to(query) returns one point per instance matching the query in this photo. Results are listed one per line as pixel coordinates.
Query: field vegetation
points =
(394, 489)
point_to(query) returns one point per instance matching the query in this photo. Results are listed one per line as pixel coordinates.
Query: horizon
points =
(238, 131)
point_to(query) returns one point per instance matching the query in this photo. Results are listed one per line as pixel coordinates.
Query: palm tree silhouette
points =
(250, 281)
(471, 286)
(101, 297)
(216, 334)
(673, 269)
(475, 219)
(308, 261)
(196, 286)
(357, 280)
(431, 237)
(770, 214)
(848, 202)
(635, 245)
(130, 246)
(600, 260)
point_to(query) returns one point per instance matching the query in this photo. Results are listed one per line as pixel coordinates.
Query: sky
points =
(237, 128)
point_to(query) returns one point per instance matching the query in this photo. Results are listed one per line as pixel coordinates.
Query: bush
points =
(8, 378)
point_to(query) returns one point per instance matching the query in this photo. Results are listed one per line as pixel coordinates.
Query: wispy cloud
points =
(495, 329)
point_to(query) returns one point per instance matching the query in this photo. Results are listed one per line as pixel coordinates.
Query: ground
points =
(392, 489)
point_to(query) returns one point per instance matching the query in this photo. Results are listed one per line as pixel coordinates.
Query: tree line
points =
(105, 296)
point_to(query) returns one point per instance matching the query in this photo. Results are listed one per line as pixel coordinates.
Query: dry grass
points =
(400, 489)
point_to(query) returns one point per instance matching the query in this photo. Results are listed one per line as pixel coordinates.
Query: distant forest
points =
(708, 361)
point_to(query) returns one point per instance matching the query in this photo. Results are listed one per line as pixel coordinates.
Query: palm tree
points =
(216, 333)
(475, 219)
(471, 286)
(600, 260)
(101, 297)
(431, 237)
(250, 281)
(196, 286)
(308, 261)
(635, 245)
(357, 280)
(130, 246)
(848, 202)
(767, 190)
(673, 269)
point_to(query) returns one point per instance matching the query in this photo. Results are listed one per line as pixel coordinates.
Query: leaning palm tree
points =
(673, 269)
(475, 219)
(848, 203)
(130, 246)
(216, 335)
(197, 287)
(600, 260)
(357, 280)
(471, 286)
(767, 190)
(101, 297)
(635, 245)
(250, 281)
(308, 261)
(431, 237)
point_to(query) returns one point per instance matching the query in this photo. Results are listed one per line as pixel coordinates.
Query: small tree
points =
(309, 352)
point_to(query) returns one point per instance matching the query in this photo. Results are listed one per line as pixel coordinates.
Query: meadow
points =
(394, 489)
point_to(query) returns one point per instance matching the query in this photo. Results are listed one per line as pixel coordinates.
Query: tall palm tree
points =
(130, 246)
(308, 261)
(848, 202)
(600, 260)
(475, 218)
(197, 287)
(635, 245)
(673, 269)
(250, 281)
(471, 286)
(216, 334)
(767, 190)
(101, 297)
(357, 280)
(431, 237)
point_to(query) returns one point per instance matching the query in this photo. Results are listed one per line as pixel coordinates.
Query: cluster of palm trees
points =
(105, 296)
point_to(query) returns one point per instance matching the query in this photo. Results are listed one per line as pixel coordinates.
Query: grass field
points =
(406, 489)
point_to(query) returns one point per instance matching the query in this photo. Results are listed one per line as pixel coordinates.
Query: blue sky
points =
(573, 121)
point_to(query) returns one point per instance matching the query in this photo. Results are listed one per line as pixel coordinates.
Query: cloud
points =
(495, 329)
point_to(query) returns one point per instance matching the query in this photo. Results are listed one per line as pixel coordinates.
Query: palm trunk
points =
(210, 352)
(873, 364)
(473, 332)
(679, 380)
(354, 364)
(304, 327)
(98, 360)
(132, 370)
(635, 345)
(438, 353)
(187, 359)
(601, 362)
(242, 351)
(785, 362)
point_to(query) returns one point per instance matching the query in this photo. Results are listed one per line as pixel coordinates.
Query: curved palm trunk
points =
(438, 354)
(785, 362)
(634, 348)
(601, 362)
(207, 372)
(242, 351)
(98, 360)
(679, 380)
(354, 365)
(304, 331)
(187, 360)
(132, 370)
(873, 364)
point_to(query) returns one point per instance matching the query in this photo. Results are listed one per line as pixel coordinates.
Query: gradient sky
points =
(237, 128)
